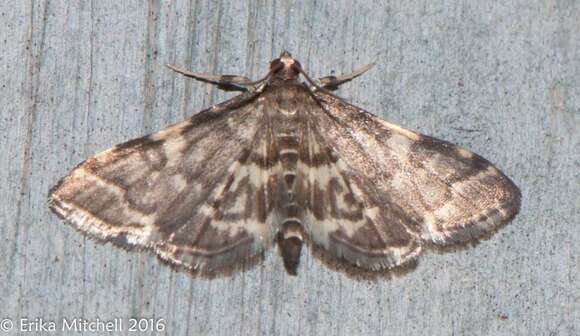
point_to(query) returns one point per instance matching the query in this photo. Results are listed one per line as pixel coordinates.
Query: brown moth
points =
(284, 162)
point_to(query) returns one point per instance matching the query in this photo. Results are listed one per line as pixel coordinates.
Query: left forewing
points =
(448, 193)
(187, 192)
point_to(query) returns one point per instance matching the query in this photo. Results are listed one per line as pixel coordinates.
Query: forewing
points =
(445, 193)
(190, 192)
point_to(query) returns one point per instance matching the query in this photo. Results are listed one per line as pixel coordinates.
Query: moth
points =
(284, 163)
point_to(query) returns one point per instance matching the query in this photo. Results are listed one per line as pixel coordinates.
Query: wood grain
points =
(501, 78)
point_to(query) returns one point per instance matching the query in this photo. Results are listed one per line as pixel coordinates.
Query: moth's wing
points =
(444, 193)
(347, 215)
(190, 193)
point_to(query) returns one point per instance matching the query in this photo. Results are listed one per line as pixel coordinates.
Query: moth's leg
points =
(333, 82)
(224, 82)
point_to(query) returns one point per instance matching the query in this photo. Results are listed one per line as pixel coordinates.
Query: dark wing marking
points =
(191, 193)
(447, 193)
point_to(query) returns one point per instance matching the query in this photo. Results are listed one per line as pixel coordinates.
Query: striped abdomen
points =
(290, 235)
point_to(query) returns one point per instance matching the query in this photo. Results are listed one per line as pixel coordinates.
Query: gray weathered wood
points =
(499, 77)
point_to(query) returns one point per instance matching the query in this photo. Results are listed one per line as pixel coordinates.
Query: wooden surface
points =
(501, 78)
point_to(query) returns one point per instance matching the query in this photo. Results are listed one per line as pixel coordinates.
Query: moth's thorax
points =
(287, 98)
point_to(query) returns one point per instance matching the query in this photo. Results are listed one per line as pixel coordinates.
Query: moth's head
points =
(285, 67)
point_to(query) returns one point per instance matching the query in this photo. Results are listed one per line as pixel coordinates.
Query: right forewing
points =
(446, 193)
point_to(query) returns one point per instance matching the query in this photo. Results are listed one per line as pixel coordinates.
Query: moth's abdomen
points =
(288, 153)
(290, 240)
(290, 235)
